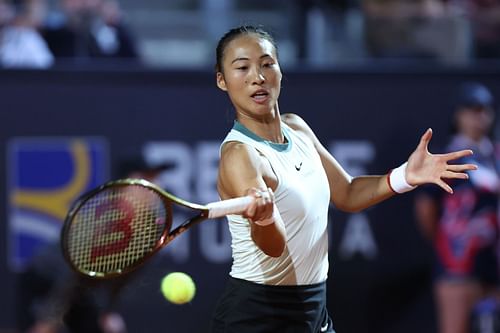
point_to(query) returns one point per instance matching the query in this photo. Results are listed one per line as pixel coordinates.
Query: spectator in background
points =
(89, 30)
(21, 45)
(464, 226)
(429, 29)
(485, 19)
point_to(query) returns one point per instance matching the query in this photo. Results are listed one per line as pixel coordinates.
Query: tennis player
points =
(279, 245)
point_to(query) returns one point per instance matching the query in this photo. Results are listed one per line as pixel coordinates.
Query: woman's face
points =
(251, 75)
(474, 122)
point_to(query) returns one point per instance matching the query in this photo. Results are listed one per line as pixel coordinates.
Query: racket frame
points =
(166, 237)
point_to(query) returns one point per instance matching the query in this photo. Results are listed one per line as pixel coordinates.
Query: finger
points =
(250, 212)
(262, 212)
(444, 186)
(425, 139)
(255, 192)
(266, 195)
(461, 167)
(268, 201)
(271, 192)
(267, 212)
(455, 175)
(263, 204)
(458, 154)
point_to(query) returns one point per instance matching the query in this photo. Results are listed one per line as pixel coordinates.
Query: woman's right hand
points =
(263, 206)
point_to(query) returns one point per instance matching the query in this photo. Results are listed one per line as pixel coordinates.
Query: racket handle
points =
(230, 206)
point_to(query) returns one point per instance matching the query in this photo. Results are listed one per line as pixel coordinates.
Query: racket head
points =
(114, 228)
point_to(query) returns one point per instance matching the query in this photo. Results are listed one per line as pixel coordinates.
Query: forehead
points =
(475, 109)
(248, 45)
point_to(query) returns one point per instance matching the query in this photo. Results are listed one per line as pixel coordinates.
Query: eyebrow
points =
(243, 58)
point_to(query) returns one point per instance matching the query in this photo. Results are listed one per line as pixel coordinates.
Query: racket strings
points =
(115, 229)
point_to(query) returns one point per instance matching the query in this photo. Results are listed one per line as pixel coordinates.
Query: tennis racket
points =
(116, 227)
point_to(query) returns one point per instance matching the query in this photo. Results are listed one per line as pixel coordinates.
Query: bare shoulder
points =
(298, 124)
(234, 152)
(239, 165)
(232, 149)
(293, 120)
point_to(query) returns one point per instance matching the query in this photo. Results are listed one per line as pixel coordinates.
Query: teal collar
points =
(281, 147)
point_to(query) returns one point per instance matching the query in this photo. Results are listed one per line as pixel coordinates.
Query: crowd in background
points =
(79, 31)
(41, 33)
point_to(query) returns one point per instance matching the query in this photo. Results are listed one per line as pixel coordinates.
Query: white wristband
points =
(397, 180)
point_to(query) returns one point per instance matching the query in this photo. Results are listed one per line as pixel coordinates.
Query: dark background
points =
(388, 107)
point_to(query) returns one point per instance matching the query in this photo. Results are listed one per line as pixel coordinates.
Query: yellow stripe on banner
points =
(57, 202)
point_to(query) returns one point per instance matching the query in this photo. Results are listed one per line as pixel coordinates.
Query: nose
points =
(256, 76)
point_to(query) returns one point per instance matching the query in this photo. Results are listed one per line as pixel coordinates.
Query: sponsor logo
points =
(45, 176)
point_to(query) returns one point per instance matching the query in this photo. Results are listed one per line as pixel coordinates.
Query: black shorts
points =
(255, 308)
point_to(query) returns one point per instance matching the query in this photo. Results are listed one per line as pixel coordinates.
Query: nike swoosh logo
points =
(298, 167)
(324, 328)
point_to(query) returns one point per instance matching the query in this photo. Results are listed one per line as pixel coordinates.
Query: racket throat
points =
(185, 226)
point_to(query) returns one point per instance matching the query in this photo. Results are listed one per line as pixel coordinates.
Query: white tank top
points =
(302, 197)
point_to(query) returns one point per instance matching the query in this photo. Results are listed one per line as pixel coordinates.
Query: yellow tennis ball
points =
(178, 287)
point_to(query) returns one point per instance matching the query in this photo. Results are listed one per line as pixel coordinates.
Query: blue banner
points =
(45, 176)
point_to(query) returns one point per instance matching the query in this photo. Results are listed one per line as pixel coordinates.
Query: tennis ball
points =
(178, 287)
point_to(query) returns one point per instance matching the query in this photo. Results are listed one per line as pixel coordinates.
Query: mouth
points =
(260, 96)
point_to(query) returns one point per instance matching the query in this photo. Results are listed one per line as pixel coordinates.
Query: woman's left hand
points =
(424, 167)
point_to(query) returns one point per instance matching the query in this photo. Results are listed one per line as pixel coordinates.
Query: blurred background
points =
(93, 90)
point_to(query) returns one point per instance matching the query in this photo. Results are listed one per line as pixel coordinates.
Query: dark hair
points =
(474, 94)
(236, 32)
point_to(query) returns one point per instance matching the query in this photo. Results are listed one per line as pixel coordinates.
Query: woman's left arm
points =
(353, 194)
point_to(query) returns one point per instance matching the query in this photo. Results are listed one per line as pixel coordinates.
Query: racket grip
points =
(230, 206)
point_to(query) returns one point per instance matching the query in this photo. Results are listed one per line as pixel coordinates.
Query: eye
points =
(269, 64)
(242, 68)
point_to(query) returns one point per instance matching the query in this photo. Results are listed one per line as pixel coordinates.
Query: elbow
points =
(350, 203)
(349, 208)
(355, 209)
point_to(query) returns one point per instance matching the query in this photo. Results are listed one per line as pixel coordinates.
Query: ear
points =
(221, 82)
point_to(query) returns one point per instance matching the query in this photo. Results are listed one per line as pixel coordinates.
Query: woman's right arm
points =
(242, 171)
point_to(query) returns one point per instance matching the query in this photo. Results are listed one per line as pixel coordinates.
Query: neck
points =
(268, 128)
